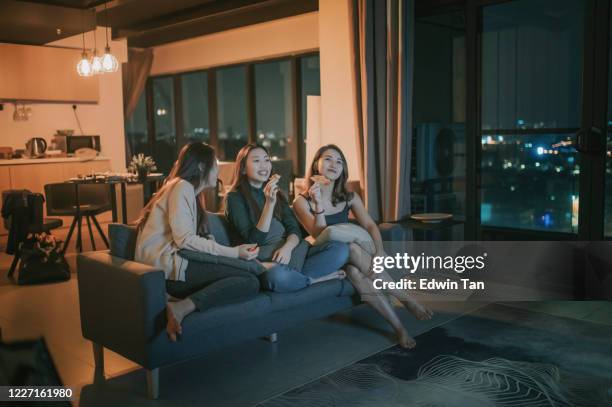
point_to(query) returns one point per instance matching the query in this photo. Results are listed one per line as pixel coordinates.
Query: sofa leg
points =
(273, 337)
(153, 383)
(98, 353)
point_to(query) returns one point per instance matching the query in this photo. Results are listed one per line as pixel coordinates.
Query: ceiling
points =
(145, 23)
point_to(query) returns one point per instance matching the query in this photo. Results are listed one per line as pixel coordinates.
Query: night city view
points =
(530, 182)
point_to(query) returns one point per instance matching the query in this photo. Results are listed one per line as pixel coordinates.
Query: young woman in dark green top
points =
(260, 213)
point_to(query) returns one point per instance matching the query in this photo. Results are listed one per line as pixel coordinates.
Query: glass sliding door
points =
(439, 114)
(531, 70)
(163, 120)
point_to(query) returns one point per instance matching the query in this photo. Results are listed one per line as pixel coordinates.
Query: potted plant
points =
(142, 165)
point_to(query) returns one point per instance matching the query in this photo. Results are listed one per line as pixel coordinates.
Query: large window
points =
(165, 147)
(274, 106)
(532, 83)
(228, 107)
(196, 125)
(136, 129)
(530, 90)
(438, 148)
(232, 110)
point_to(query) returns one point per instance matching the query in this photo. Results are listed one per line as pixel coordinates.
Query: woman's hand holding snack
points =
(314, 192)
(248, 251)
(271, 189)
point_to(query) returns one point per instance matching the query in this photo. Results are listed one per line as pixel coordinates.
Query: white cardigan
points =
(171, 226)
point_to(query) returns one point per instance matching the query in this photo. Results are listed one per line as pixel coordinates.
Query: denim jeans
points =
(209, 285)
(320, 261)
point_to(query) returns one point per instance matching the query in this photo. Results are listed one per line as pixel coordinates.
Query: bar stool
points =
(92, 199)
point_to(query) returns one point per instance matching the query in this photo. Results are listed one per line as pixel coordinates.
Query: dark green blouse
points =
(239, 213)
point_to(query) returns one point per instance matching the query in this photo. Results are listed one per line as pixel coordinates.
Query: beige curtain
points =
(382, 51)
(134, 74)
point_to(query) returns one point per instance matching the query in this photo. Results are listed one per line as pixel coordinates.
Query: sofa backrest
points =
(122, 240)
(219, 227)
(123, 237)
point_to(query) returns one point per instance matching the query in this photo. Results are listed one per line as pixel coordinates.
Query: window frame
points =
(296, 140)
(592, 171)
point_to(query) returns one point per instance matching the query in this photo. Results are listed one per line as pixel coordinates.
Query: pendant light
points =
(84, 66)
(96, 61)
(109, 62)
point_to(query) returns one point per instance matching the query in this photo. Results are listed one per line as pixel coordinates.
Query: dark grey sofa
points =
(122, 307)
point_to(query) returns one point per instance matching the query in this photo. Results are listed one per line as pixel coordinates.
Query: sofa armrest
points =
(393, 232)
(121, 302)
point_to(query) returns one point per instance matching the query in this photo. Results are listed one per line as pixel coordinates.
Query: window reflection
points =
(531, 90)
(136, 128)
(530, 182)
(163, 116)
(232, 111)
(274, 107)
(195, 107)
(438, 148)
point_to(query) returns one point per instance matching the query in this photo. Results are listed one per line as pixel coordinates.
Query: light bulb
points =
(96, 63)
(109, 62)
(84, 67)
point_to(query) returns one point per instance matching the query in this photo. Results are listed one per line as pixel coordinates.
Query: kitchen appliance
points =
(73, 143)
(36, 147)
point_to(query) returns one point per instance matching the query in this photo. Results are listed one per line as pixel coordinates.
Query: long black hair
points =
(240, 182)
(186, 167)
(339, 193)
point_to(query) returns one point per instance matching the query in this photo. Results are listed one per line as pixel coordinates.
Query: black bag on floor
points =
(42, 261)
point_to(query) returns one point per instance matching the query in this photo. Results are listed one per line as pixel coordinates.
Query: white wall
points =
(104, 118)
(271, 39)
(338, 116)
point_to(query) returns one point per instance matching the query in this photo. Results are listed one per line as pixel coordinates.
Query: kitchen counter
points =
(18, 161)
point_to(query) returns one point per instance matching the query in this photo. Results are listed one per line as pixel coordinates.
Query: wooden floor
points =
(52, 311)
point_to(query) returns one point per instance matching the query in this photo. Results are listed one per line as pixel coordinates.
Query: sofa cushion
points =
(250, 266)
(219, 228)
(122, 240)
(310, 295)
(226, 314)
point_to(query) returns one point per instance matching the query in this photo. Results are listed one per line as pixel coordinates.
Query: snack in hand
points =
(274, 177)
(321, 179)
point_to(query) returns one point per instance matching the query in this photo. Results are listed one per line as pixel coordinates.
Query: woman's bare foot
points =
(405, 341)
(175, 312)
(173, 327)
(420, 312)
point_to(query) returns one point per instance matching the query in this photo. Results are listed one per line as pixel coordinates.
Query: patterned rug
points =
(498, 356)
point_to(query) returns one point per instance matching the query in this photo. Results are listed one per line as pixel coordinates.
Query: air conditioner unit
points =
(440, 150)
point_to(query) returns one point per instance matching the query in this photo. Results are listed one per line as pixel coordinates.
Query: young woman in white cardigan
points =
(171, 222)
